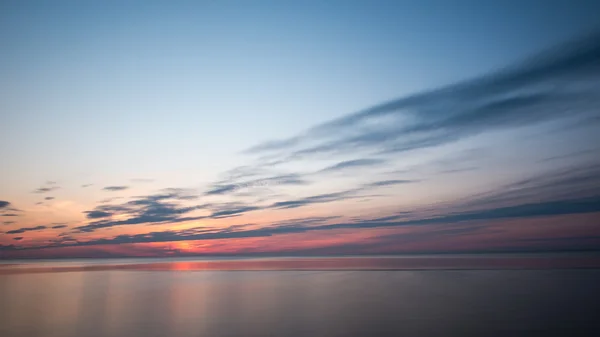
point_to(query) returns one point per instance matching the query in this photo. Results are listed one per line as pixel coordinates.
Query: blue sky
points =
(272, 111)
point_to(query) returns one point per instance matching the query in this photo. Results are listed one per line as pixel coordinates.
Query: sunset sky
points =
(168, 128)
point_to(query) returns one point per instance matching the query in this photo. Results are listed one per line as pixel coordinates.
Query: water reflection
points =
(300, 303)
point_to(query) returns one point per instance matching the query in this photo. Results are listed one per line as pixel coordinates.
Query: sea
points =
(447, 295)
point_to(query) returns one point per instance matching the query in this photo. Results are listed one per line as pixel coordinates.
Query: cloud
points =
(166, 217)
(390, 182)
(349, 164)
(172, 193)
(115, 188)
(431, 233)
(86, 185)
(335, 196)
(308, 221)
(399, 215)
(232, 210)
(26, 229)
(18, 238)
(8, 222)
(48, 198)
(287, 179)
(6, 206)
(459, 170)
(569, 182)
(531, 93)
(59, 226)
(46, 189)
(321, 198)
(97, 214)
(228, 187)
(164, 207)
(246, 171)
(221, 189)
(581, 153)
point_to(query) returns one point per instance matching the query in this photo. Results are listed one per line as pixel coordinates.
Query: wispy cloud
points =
(26, 229)
(316, 199)
(595, 152)
(356, 163)
(390, 182)
(531, 93)
(46, 189)
(49, 186)
(164, 207)
(97, 214)
(231, 210)
(6, 206)
(581, 181)
(235, 185)
(115, 188)
(221, 189)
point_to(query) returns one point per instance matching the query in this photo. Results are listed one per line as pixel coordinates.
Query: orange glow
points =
(183, 245)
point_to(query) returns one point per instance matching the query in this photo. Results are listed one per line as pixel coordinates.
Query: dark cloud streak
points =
(157, 208)
(26, 229)
(356, 163)
(115, 188)
(46, 189)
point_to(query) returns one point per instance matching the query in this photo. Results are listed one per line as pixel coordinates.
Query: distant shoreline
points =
(292, 256)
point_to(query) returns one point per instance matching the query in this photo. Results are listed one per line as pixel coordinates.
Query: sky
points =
(155, 128)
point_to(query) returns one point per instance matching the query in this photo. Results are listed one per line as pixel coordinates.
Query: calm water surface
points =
(150, 299)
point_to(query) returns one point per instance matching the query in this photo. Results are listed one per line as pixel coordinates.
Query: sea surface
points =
(377, 296)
